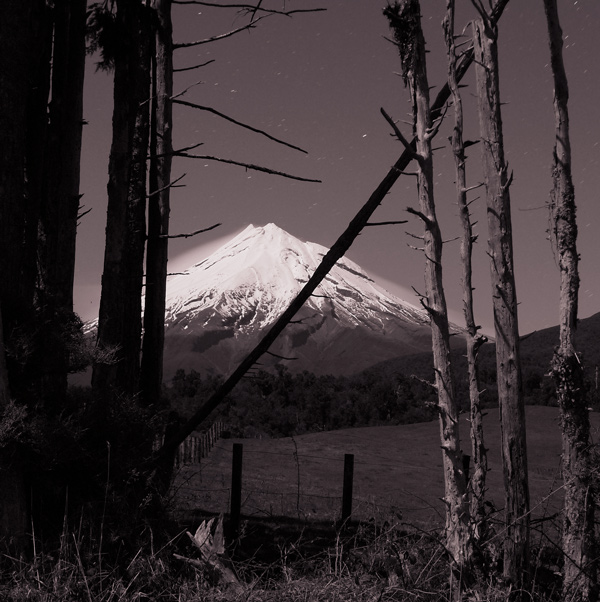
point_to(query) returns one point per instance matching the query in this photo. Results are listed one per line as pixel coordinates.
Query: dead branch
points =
(410, 147)
(420, 215)
(404, 221)
(178, 70)
(169, 185)
(211, 544)
(186, 90)
(83, 213)
(222, 36)
(191, 233)
(176, 152)
(249, 7)
(247, 166)
(236, 122)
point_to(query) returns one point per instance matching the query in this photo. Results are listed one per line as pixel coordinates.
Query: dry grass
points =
(367, 563)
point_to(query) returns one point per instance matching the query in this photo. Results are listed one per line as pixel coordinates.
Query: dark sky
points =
(318, 81)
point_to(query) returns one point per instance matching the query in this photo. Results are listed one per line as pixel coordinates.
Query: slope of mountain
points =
(219, 308)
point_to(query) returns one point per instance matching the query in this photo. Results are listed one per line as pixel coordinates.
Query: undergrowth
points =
(367, 562)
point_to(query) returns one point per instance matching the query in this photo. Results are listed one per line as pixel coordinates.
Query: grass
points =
(397, 470)
(394, 554)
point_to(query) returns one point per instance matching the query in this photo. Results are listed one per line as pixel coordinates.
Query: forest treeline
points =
(282, 403)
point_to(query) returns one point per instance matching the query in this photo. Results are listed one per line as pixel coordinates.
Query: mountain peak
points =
(218, 310)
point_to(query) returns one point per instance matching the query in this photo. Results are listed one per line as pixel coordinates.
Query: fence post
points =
(348, 486)
(236, 490)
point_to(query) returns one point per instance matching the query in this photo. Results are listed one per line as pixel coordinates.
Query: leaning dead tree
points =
(500, 250)
(336, 252)
(474, 339)
(580, 563)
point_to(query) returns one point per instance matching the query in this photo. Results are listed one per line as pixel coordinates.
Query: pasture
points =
(397, 470)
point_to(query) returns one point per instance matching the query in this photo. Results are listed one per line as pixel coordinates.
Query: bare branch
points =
(407, 145)
(176, 152)
(250, 25)
(420, 215)
(386, 223)
(194, 67)
(415, 236)
(473, 187)
(232, 120)
(170, 185)
(184, 91)
(250, 7)
(191, 233)
(247, 166)
(80, 215)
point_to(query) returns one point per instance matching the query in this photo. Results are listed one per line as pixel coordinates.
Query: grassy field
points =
(397, 469)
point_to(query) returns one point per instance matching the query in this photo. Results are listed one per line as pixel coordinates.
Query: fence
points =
(262, 483)
(397, 472)
(195, 447)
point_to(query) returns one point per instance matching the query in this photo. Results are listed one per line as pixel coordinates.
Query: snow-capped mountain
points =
(219, 309)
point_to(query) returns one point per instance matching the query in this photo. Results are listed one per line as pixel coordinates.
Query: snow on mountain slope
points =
(219, 308)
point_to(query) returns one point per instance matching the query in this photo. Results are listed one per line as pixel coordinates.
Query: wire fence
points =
(300, 485)
(195, 447)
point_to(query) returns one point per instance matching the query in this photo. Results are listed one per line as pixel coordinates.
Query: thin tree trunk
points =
(474, 339)
(580, 565)
(405, 21)
(500, 250)
(120, 322)
(158, 207)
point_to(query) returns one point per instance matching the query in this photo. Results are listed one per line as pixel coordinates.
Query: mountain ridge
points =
(218, 309)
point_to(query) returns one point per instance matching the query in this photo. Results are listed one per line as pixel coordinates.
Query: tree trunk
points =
(580, 565)
(16, 302)
(158, 207)
(61, 199)
(474, 340)
(405, 22)
(508, 363)
(116, 370)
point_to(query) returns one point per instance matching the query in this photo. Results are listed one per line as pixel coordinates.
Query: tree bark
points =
(500, 250)
(119, 321)
(405, 21)
(579, 546)
(158, 207)
(58, 226)
(16, 302)
(474, 339)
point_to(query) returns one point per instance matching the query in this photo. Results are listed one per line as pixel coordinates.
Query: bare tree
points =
(579, 546)
(405, 22)
(500, 250)
(474, 339)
